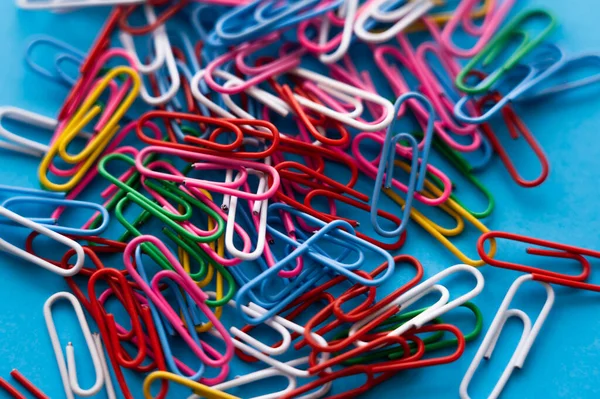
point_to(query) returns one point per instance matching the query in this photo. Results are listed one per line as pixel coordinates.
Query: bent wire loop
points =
(543, 89)
(28, 200)
(441, 234)
(177, 275)
(86, 112)
(547, 63)
(549, 249)
(400, 18)
(66, 52)
(417, 292)
(5, 246)
(18, 143)
(68, 371)
(514, 28)
(198, 388)
(530, 333)
(485, 31)
(386, 164)
(516, 128)
(330, 231)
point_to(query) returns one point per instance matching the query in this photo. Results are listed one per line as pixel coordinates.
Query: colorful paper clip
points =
(530, 333)
(498, 43)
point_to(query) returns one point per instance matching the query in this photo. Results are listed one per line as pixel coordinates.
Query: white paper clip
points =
(491, 338)
(68, 370)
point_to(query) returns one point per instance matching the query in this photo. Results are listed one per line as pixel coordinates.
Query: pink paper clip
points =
(206, 162)
(261, 73)
(178, 275)
(485, 31)
(247, 244)
(400, 87)
(331, 51)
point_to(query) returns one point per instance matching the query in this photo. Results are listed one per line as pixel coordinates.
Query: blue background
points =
(565, 359)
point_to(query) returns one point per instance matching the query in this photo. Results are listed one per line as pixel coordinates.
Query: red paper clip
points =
(561, 251)
(516, 127)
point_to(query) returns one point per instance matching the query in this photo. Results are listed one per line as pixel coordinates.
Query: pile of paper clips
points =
(236, 153)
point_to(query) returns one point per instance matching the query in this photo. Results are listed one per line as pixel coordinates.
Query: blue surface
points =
(564, 361)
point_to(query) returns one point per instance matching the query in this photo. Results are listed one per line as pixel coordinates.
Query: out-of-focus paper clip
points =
(71, 4)
(499, 43)
(400, 18)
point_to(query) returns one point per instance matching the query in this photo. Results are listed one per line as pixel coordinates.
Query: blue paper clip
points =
(344, 238)
(262, 13)
(59, 202)
(307, 278)
(569, 63)
(533, 74)
(32, 192)
(258, 18)
(68, 52)
(386, 164)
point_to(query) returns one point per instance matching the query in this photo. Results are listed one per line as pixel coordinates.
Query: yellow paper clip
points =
(199, 389)
(86, 112)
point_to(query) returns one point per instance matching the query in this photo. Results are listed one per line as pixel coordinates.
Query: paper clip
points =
(326, 379)
(70, 4)
(461, 165)
(263, 130)
(21, 379)
(528, 337)
(21, 144)
(417, 292)
(15, 251)
(229, 31)
(400, 18)
(84, 114)
(66, 52)
(437, 231)
(516, 127)
(331, 189)
(556, 250)
(561, 68)
(158, 36)
(67, 369)
(528, 77)
(347, 13)
(491, 51)
(383, 122)
(345, 238)
(219, 162)
(200, 389)
(386, 165)
(62, 202)
(153, 24)
(179, 276)
(485, 31)
(257, 376)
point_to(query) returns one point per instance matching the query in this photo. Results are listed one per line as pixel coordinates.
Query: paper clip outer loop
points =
(557, 250)
(67, 369)
(491, 338)
(494, 47)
